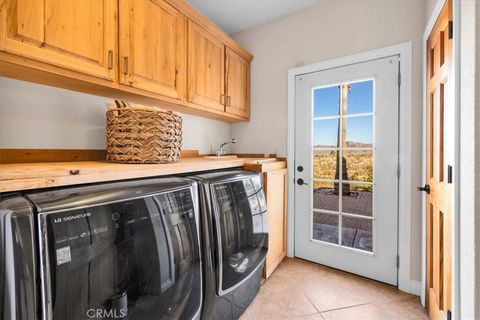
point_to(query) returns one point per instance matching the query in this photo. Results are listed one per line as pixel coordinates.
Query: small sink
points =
(221, 157)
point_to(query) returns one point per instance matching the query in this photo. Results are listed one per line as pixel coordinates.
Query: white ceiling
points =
(237, 15)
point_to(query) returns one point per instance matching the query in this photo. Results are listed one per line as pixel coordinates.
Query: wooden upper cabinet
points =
(152, 47)
(147, 51)
(79, 35)
(237, 77)
(206, 69)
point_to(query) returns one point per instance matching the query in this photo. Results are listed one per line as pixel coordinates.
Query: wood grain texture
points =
(237, 84)
(77, 35)
(264, 165)
(192, 14)
(275, 182)
(12, 66)
(206, 69)
(36, 45)
(275, 187)
(439, 220)
(63, 155)
(25, 176)
(153, 40)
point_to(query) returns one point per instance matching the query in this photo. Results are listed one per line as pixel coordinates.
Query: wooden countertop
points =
(25, 176)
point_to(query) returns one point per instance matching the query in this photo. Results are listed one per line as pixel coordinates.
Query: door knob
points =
(426, 188)
(300, 168)
(301, 182)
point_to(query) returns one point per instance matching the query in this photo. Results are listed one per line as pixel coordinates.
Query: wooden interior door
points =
(440, 106)
(206, 68)
(78, 35)
(237, 84)
(152, 47)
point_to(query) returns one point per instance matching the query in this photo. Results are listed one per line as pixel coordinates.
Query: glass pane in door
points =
(325, 197)
(342, 166)
(325, 133)
(360, 97)
(358, 165)
(359, 131)
(326, 102)
(357, 233)
(324, 163)
(358, 200)
(325, 227)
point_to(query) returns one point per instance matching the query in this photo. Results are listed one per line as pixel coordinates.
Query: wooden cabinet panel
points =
(79, 35)
(206, 68)
(275, 184)
(149, 51)
(152, 47)
(237, 77)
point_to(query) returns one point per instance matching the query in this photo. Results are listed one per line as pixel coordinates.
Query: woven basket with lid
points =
(141, 134)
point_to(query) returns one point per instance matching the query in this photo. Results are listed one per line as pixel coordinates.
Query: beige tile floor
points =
(302, 290)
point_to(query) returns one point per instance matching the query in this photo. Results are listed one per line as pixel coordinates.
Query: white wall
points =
(470, 160)
(35, 116)
(329, 30)
(430, 6)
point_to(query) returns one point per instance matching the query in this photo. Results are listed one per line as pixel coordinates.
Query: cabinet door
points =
(78, 35)
(275, 183)
(152, 47)
(206, 68)
(237, 84)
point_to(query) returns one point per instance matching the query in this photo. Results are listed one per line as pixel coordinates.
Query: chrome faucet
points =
(221, 152)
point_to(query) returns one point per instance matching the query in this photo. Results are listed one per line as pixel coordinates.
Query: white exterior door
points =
(346, 168)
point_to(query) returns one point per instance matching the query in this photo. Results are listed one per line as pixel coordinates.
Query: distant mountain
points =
(353, 144)
(350, 144)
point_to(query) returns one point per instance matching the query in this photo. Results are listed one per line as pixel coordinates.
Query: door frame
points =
(456, 161)
(404, 50)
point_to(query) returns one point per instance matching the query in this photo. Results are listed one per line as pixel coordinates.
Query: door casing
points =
(406, 187)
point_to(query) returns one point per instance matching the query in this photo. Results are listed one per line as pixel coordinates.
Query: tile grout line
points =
(311, 302)
(250, 317)
(352, 306)
(388, 297)
(364, 304)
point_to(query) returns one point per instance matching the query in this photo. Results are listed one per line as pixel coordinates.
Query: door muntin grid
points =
(331, 176)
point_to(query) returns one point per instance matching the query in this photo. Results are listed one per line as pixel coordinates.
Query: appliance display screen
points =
(243, 227)
(135, 259)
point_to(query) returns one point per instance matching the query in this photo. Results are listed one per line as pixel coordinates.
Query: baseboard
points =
(415, 287)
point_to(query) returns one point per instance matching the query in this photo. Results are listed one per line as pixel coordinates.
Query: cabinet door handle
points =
(222, 99)
(229, 100)
(125, 65)
(110, 59)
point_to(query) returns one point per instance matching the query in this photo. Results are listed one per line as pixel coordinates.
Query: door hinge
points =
(398, 261)
(398, 171)
(449, 174)
(399, 79)
(450, 29)
(449, 314)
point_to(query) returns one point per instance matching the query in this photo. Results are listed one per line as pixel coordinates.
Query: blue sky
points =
(326, 103)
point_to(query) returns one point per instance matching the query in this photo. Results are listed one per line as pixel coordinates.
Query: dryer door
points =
(241, 225)
(134, 259)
